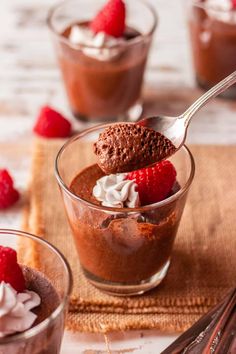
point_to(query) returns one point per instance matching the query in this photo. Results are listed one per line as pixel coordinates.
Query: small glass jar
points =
(213, 41)
(110, 89)
(52, 280)
(122, 251)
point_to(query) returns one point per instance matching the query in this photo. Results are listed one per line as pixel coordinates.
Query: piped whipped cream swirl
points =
(221, 10)
(15, 309)
(99, 46)
(116, 191)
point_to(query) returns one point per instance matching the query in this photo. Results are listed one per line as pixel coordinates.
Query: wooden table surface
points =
(29, 78)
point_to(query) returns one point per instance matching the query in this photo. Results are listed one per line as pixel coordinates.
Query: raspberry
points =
(110, 19)
(8, 194)
(154, 183)
(51, 124)
(10, 271)
(233, 2)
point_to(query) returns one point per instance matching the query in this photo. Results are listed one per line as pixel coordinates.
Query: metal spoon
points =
(175, 128)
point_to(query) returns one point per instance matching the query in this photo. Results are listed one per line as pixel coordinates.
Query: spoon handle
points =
(213, 92)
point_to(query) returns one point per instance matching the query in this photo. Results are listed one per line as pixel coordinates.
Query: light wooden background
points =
(29, 78)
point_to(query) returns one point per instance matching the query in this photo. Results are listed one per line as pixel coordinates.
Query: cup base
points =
(124, 289)
(132, 115)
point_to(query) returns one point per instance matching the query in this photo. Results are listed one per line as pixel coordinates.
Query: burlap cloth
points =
(203, 265)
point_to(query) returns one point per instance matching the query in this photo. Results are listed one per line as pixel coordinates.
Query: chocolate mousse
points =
(103, 89)
(50, 300)
(213, 38)
(102, 53)
(126, 147)
(47, 341)
(119, 247)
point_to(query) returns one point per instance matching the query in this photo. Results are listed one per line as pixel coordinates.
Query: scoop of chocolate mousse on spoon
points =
(124, 147)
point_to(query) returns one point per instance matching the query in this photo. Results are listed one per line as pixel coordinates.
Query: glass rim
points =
(168, 200)
(131, 42)
(35, 330)
(205, 6)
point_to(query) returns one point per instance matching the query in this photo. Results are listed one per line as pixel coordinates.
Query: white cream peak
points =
(116, 191)
(15, 309)
(221, 10)
(99, 46)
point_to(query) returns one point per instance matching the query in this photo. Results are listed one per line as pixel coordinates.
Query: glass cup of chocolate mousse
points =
(102, 61)
(35, 284)
(124, 238)
(212, 25)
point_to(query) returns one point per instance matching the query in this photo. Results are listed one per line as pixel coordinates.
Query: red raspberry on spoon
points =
(8, 194)
(110, 19)
(155, 182)
(10, 271)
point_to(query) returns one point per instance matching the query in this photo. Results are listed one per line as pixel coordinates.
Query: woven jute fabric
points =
(203, 266)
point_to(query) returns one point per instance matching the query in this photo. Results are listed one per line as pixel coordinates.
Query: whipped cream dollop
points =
(99, 46)
(15, 314)
(221, 10)
(116, 191)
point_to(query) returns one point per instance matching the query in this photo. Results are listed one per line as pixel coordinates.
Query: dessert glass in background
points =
(52, 281)
(122, 251)
(212, 25)
(103, 84)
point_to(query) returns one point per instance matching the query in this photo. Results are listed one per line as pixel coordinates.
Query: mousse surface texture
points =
(126, 147)
(37, 282)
